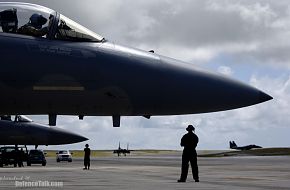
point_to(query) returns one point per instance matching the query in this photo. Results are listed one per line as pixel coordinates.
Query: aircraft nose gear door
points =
(116, 120)
(52, 119)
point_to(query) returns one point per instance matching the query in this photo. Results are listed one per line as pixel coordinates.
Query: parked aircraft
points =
(53, 65)
(233, 145)
(23, 131)
(120, 151)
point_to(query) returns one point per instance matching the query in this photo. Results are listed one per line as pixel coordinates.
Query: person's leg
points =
(194, 168)
(85, 164)
(184, 168)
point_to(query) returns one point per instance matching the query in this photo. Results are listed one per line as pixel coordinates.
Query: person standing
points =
(21, 158)
(189, 141)
(87, 151)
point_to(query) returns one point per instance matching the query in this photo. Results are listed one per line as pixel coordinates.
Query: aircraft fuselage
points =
(42, 76)
(31, 133)
(52, 65)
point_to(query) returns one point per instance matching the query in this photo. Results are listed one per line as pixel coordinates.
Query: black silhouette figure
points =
(9, 20)
(21, 157)
(87, 157)
(189, 142)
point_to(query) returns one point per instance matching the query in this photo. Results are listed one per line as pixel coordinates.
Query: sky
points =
(244, 39)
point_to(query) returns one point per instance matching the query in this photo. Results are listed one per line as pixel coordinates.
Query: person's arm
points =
(41, 32)
(31, 31)
(182, 141)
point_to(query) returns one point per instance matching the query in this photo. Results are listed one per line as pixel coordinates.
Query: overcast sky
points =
(244, 39)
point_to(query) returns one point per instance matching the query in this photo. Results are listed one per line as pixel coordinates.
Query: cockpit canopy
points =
(20, 18)
(22, 118)
(72, 31)
(18, 118)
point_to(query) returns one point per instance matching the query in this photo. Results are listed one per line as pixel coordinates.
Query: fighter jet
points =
(120, 151)
(23, 131)
(52, 65)
(233, 145)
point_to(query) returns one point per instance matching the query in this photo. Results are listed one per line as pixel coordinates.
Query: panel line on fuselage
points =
(58, 88)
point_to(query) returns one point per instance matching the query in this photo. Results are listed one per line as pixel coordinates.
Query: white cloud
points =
(225, 70)
(251, 11)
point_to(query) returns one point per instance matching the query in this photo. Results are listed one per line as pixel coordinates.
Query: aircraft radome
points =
(23, 131)
(66, 69)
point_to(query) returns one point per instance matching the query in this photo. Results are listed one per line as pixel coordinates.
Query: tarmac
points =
(152, 172)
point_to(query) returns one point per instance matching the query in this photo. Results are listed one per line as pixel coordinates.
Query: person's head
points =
(8, 20)
(37, 20)
(87, 145)
(190, 128)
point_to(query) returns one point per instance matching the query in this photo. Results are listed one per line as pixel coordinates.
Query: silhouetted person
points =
(21, 158)
(18, 159)
(87, 157)
(189, 142)
(9, 20)
(34, 26)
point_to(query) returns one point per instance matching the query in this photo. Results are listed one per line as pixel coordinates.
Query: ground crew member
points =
(21, 158)
(87, 157)
(189, 142)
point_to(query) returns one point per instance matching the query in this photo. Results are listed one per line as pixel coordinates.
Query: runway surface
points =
(152, 172)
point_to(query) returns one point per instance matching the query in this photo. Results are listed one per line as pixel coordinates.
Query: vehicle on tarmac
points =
(64, 155)
(36, 157)
(10, 155)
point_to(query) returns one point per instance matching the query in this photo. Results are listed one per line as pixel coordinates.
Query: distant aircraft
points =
(233, 145)
(73, 71)
(23, 131)
(120, 151)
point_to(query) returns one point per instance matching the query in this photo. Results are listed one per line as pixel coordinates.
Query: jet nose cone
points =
(74, 138)
(60, 136)
(80, 138)
(263, 97)
(194, 90)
